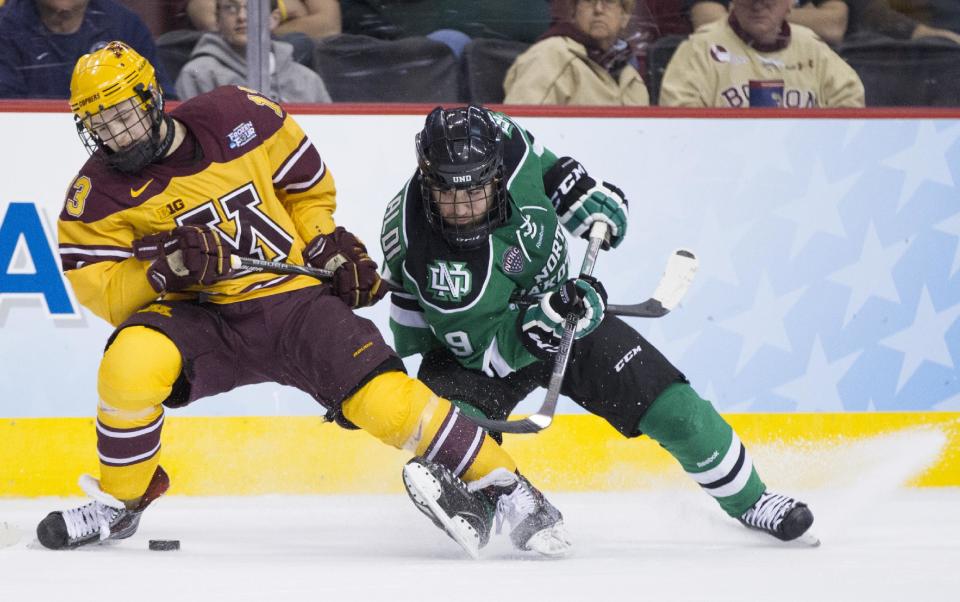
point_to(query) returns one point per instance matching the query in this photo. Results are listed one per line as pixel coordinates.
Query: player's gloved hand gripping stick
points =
(544, 416)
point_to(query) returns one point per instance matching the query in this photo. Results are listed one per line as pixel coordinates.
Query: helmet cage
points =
(143, 113)
(461, 151)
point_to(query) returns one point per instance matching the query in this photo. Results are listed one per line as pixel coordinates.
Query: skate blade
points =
(421, 482)
(10, 535)
(552, 542)
(807, 540)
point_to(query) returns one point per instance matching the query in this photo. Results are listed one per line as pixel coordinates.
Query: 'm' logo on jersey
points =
(241, 224)
(449, 280)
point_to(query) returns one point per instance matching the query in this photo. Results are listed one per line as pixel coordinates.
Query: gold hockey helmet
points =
(105, 87)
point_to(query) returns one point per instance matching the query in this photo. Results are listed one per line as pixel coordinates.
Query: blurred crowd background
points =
(706, 53)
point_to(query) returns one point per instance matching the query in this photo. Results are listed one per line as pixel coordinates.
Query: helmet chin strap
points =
(141, 154)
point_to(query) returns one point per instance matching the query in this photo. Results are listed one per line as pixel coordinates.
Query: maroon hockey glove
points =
(355, 277)
(183, 257)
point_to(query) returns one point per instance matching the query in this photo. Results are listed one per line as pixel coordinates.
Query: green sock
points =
(468, 410)
(709, 451)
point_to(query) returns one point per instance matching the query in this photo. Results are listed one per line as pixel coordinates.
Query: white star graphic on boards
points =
(672, 347)
(951, 404)
(853, 130)
(925, 160)
(817, 210)
(871, 274)
(925, 339)
(716, 243)
(762, 324)
(951, 226)
(816, 389)
(762, 149)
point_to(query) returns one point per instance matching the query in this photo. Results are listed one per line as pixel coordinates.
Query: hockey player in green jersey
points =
(478, 227)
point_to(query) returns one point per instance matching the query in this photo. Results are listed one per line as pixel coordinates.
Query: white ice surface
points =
(881, 541)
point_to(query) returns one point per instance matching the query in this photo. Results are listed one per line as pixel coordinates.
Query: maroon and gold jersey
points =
(246, 169)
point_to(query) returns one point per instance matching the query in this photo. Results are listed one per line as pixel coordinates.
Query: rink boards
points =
(259, 455)
(826, 309)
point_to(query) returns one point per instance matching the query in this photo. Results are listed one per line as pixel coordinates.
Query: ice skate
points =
(437, 492)
(103, 519)
(535, 524)
(783, 517)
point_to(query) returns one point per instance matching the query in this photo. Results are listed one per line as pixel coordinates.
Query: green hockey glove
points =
(541, 326)
(580, 201)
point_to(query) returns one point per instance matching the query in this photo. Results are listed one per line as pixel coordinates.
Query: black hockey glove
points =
(541, 325)
(580, 201)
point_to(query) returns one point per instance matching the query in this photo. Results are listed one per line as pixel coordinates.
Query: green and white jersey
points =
(461, 299)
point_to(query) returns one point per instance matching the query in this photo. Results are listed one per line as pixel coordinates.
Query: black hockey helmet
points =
(461, 149)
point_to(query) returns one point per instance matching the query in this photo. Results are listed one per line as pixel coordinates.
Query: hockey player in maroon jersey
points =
(146, 235)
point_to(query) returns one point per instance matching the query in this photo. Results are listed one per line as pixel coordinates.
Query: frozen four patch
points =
(242, 134)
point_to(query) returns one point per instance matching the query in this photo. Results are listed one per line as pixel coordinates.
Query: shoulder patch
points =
(243, 133)
(719, 53)
(513, 262)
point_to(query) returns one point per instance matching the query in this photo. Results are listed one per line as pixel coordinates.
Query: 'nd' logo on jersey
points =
(449, 280)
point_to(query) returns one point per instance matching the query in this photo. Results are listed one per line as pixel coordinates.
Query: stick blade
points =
(677, 277)
(528, 426)
(651, 308)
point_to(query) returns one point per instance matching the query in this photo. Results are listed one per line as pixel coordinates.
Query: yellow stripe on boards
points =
(300, 455)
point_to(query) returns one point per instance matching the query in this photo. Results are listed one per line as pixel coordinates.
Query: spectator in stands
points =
(651, 20)
(160, 16)
(301, 23)
(315, 18)
(41, 40)
(943, 14)
(823, 16)
(724, 63)
(580, 61)
(877, 16)
(522, 21)
(219, 59)
(827, 18)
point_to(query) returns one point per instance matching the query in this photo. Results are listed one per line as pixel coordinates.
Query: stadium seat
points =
(900, 73)
(160, 16)
(485, 63)
(658, 57)
(359, 68)
(174, 48)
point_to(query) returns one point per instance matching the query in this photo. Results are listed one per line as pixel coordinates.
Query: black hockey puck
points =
(164, 545)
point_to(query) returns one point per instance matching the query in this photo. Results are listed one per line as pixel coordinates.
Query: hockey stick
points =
(277, 267)
(673, 285)
(542, 418)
